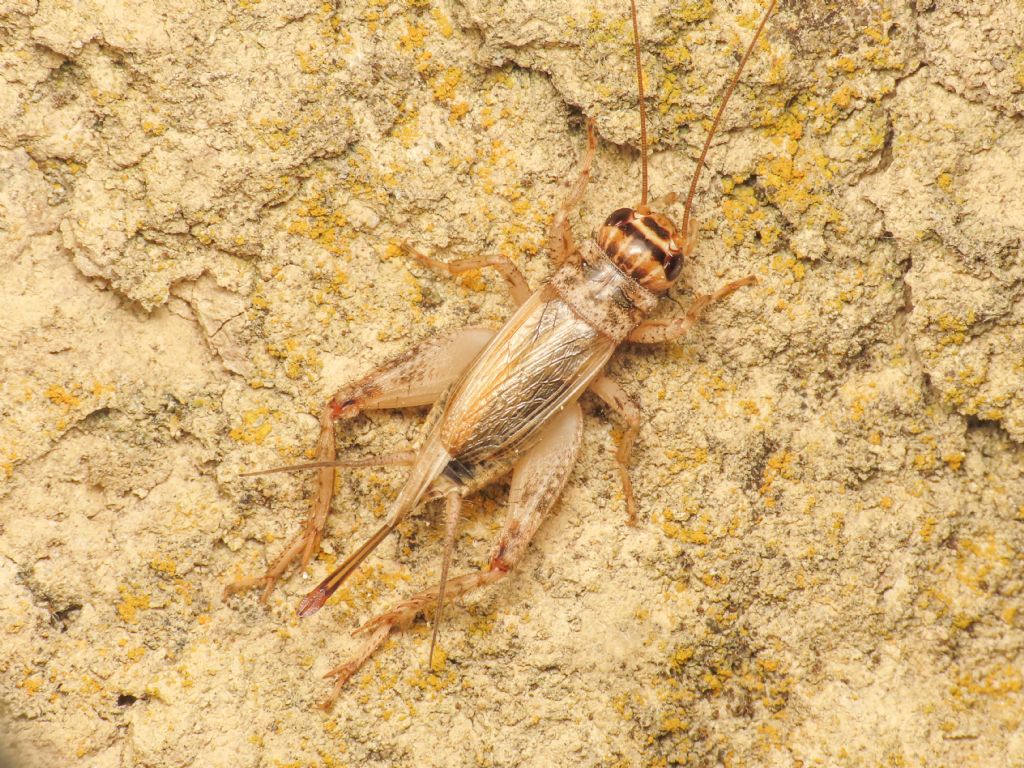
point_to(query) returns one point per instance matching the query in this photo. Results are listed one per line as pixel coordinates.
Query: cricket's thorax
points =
(542, 360)
(602, 295)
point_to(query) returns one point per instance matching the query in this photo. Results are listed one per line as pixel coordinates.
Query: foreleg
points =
(656, 331)
(560, 239)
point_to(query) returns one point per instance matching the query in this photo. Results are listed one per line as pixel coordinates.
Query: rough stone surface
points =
(199, 211)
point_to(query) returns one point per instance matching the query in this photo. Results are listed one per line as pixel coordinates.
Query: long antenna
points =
(718, 117)
(643, 110)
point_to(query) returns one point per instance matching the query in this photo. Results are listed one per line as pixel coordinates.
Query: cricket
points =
(506, 402)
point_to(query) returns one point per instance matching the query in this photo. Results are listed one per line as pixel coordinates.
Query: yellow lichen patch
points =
(928, 528)
(413, 37)
(789, 265)
(255, 427)
(997, 680)
(164, 565)
(672, 529)
(483, 624)
(977, 560)
(153, 127)
(925, 461)
(276, 133)
(437, 661)
(318, 221)
(742, 211)
(130, 605)
(692, 11)
(31, 684)
(787, 184)
(89, 685)
(955, 329)
(58, 395)
(863, 134)
(954, 460)
(443, 86)
(685, 460)
(432, 682)
(459, 110)
(779, 465)
(299, 362)
(11, 456)
(444, 24)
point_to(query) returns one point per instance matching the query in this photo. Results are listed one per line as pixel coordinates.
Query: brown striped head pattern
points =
(643, 245)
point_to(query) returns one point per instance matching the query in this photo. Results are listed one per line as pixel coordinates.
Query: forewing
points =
(541, 360)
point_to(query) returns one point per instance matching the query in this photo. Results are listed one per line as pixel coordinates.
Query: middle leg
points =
(627, 410)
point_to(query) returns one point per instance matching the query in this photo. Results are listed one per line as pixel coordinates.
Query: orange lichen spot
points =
(684, 460)
(255, 427)
(413, 37)
(58, 395)
(443, 86)
(130, 605)
(164, 565)
(997, 681)
(458, 110)
(31, 684)
(750, 408)
(153, 128)
(885, 502)
(444, 24)
(954, 460)
(692, 11)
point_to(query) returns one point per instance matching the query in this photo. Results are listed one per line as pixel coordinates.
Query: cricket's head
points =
(645, 245)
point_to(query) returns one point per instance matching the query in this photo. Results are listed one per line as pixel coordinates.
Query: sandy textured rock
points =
(199, 211)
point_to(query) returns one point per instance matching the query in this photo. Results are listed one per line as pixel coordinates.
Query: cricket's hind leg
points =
(417, 377)
(538, 478)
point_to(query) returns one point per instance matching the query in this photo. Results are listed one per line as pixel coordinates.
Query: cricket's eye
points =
(644, 246)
